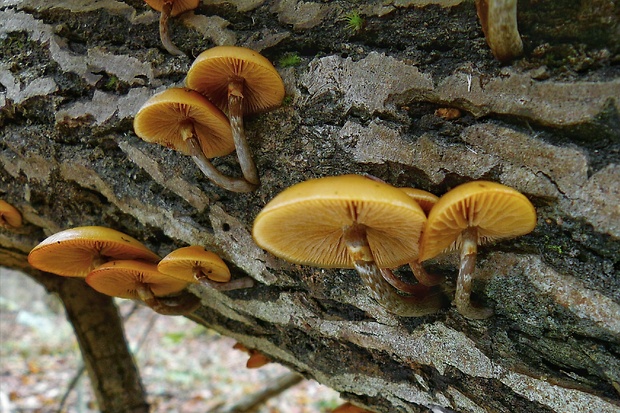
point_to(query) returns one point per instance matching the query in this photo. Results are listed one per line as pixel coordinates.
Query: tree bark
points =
(370, 99)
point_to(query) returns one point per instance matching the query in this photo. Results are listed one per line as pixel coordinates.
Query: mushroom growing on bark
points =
(256, 359)
(499, 25)
(170, 8)
(240, 82)
(10, 217)
(349, 221)
(194, 264)
(77, 251)
(184, 120)
(134, 280)
(469, 215)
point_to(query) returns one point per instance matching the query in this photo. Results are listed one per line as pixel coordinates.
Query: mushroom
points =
(10, 217)
(77, 251)
(196, 265)
(349, 408)
(469, 215)
(239, 81)
(499, 25)
(349, 221)
(170, 8)
(426, 200)
(184, 120)
(256, 359)
(134, 279)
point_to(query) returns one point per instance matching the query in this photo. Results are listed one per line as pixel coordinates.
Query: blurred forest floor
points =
(185, 368)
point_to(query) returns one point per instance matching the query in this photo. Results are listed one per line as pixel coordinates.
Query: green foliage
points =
(289, 60)
(354, 21)
(287, 100)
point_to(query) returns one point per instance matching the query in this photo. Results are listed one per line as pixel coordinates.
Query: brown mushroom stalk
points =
(164, 30)
(211, 172)
(420, 302)
(183, 304)
(241, 283)
(462, 298)
(498, 19)
(235, 114)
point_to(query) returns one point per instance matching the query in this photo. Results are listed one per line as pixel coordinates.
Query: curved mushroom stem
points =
(424, 277)
(422, 300)
(164, 33)
(245, 282)
(462, 298)
(235, 113)
(180, 305)
(211, 172)
(499, 24)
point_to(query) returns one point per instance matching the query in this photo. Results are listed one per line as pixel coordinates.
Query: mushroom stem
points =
(164, 33)
(469, 248)
(424, 277)
(499, 24)
(422, 300)
(211, 172)
(179, 305)
(235, 113)
(245, 282)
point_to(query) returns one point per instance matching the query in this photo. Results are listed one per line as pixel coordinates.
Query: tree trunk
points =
(99, 331)
(363, 98)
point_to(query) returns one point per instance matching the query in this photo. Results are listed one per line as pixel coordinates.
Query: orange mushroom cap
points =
(425, 199)
(178, 6)
(77, 251)
(123, 278)
(497, 211)
(168, 116)
(181, 263)
(213, 69)
(10, 217)
(349, 408)
(305, 223)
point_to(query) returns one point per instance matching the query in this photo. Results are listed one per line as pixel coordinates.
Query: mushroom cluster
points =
(353, 221)
(193, 120)
(118, 265)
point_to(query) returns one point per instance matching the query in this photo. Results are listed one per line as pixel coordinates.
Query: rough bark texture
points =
(74, 73)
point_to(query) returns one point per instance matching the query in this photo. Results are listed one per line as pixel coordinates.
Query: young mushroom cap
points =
(10, 217)
(212, 72)
(125, 279)
(182, 263)
(169, 116)
(497, 211)
(178, 6)
(349, 408)
(77, 251)
(304, 223)
(425, 199)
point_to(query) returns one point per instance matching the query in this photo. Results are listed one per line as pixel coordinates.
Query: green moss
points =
(354, 21)
(289, 60)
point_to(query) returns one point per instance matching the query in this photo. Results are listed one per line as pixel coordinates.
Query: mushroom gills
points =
(422, 301)
(462, 298)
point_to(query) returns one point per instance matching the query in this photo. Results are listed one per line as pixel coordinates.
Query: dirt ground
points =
(185, 367)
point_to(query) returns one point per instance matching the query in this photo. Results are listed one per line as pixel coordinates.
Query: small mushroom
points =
(349, 408)
(10, 217)
(77, 251)
(499, 25)
(240, 82)
(184, 120)
(349, 221)
(194, 264)
(426, 200)
(170, 8)
(256, 359)
(134, 280)
(469, 215)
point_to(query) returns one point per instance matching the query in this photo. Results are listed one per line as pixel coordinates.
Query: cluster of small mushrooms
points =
(354, 221)
(118, 265)
(192, 120)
